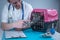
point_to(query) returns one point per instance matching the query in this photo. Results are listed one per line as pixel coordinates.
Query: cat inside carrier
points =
(42, 19)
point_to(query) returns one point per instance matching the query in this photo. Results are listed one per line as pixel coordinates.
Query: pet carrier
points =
(42, 19)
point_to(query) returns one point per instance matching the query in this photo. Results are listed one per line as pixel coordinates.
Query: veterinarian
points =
(15, 13)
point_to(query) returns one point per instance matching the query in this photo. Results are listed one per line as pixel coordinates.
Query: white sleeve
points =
(30, 11)
(4, 17)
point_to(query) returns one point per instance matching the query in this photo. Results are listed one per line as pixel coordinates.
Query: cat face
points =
(37, 17)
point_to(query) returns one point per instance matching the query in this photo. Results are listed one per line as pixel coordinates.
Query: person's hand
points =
(21, 25)
(18, 24)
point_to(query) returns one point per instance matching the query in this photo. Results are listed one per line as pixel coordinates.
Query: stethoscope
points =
(10, 20)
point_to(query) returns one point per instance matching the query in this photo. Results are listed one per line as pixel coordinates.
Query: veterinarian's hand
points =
(21, 25)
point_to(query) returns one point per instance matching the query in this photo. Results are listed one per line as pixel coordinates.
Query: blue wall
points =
(44, 3)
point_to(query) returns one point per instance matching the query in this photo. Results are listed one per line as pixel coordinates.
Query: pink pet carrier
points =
(50, 15)
(43, 18)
